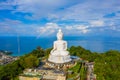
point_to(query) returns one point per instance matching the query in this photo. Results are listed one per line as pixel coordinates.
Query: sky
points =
(75, 17)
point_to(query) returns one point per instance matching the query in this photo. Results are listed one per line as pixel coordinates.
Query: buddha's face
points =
(59, 37)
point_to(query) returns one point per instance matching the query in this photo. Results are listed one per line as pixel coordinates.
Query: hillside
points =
(106, 65)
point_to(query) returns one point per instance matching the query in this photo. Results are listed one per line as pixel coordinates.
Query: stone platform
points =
(60, 65)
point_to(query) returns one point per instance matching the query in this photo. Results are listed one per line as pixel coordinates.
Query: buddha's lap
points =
(60, 53)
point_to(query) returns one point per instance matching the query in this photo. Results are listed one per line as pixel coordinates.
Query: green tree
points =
(29, 62)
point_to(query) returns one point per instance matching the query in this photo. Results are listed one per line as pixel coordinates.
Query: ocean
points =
(23, 45)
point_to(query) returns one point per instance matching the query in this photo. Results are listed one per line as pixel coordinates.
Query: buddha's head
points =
(59, 34)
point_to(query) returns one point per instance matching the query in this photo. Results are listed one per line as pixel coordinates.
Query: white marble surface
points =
(59, 53)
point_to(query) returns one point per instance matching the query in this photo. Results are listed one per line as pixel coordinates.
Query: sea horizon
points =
(20, 45)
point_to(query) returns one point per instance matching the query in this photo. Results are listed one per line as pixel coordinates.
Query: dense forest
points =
(106, 64)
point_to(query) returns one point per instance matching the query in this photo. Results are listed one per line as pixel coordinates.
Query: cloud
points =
(7, 5)
(97, 23)
(69, 27)
(10, 27)
(77, 17)
(40, 8)
(89, 10)
(52, 28)
(15, 27)
(77, 29)
(84, 29)
(62, 9)
(48, 29)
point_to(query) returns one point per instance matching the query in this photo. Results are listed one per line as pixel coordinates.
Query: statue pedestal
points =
(59, 58)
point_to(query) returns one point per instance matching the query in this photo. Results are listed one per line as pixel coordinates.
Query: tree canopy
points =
(107, 65)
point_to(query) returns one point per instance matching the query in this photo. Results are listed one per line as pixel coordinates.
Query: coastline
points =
(27, 44)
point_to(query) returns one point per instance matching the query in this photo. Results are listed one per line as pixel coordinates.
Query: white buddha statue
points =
(60, 46)
(59, 53)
